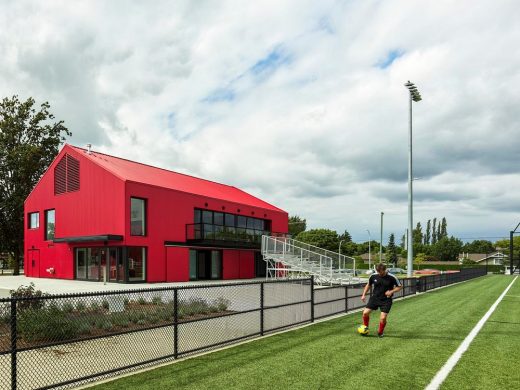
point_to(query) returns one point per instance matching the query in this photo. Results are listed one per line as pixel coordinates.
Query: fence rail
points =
(65, 340)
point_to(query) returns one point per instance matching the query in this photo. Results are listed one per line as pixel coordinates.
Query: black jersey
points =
(382, 284)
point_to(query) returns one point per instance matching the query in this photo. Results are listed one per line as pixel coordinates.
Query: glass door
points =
(81, 263)
(216, 265)
(113, 257)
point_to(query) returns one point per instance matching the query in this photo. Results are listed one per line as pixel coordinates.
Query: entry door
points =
(34, 262)
(203, 264)
(113, 262)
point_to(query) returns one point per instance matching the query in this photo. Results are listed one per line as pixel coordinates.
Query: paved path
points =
(62, 286)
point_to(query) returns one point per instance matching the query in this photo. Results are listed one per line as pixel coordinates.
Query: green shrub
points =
(121, 320)
(141, 322)
(105, 304)
(103, 323)
(222, 303)
(141, 301)
(126, 301)
(47, 324)
(94, 305)
(157, 300)
(68, 307)
(83, 327)
(28, 292)
(80, 306)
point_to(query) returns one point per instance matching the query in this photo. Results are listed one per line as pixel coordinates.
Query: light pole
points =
(415, 96)
(381, 242)
(369, 239)
(339, 251)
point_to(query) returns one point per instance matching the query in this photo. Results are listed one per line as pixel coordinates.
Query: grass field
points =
(422, 333)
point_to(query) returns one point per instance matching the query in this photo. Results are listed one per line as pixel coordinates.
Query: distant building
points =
(94, 217)
(495, 258)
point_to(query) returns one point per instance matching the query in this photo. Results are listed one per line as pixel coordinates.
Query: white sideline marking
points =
(452, 361)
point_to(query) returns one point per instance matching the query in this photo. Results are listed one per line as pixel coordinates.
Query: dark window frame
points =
(145, 280)
(250, 222)
(145, 217)
(45, 232)
(29, 220)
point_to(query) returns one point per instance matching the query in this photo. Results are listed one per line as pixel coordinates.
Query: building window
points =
(137, 217)
(136, 264)
(34, 220)
(50, 224)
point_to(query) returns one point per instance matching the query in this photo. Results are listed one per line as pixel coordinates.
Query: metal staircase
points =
(288, 258)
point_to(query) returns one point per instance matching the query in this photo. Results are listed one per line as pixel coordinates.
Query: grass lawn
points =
(491, 361)
(422, 333)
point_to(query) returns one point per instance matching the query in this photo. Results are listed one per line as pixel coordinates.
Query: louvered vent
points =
(60, 173)
(72, 174)
(66, 175)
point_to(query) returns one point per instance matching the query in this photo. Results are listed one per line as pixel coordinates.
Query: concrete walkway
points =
(61, 286)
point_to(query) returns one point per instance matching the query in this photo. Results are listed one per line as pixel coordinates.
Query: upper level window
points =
(34, 220)
(50, 224)
(137, 217)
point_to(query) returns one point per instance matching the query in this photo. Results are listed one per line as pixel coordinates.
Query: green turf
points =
(422, 333)
(492, 360)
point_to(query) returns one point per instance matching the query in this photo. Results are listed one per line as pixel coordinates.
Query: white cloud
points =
(316, 127)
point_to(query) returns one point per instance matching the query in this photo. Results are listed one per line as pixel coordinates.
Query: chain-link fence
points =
(64, 340)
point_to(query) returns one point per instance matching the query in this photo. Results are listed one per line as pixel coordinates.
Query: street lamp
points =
(369, 239)
(415, 96)
(339, 251)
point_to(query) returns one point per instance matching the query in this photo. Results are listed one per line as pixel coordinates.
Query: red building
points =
(93, 216)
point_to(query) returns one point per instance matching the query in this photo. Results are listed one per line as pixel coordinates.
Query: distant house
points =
(495, 258)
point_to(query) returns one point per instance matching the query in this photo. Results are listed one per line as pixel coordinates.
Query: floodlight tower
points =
(415, 96)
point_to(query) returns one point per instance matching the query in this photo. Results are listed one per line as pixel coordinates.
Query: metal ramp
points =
(288, 258)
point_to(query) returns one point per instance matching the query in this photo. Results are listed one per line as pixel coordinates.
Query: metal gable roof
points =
(147, 174)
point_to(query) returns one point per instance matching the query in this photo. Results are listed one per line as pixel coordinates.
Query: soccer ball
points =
(362, 330)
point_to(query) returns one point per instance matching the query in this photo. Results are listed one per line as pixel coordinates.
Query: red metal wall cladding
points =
(101, 206)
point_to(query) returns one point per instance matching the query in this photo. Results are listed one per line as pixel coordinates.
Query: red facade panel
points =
(231, 264)
(247, 264)
(177, 264)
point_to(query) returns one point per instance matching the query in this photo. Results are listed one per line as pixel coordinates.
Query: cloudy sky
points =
(301, 103)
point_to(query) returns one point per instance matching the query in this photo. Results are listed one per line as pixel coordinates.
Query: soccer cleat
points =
(380, 335)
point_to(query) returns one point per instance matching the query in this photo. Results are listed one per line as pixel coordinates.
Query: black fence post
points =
(175, 324)
(262, 308)
(312, 298)
(14, 337)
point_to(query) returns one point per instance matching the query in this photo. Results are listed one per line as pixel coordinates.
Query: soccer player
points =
(384, 285)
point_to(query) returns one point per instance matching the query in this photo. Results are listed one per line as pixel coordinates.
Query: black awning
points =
(101, 237)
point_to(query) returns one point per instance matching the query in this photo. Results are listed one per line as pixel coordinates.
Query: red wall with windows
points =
(95, 209)
(102, 206)
(169, 211)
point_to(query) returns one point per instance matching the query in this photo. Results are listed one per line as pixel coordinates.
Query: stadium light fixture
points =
(415, 96)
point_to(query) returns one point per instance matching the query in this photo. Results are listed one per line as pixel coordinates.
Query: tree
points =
(447, 249)
(439, 235)
(434, 231)
(444, 228)
(346, 236)
(427, 236)
(478, 246)
(503, 245)
(391, 251)
(296, 225)
(403, 241)
(323, 238)
(418, 234)
(29, 141)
